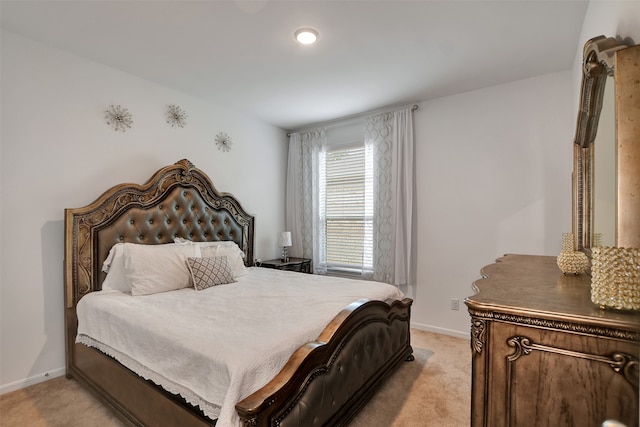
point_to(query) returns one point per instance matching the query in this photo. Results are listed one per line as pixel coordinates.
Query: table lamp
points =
(284, 240)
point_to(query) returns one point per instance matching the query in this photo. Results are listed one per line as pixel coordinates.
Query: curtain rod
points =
(414, 107)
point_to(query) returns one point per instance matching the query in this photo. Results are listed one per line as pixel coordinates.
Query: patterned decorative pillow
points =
(211, 271)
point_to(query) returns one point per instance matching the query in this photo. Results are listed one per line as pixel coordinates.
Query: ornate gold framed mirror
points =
(603, 58)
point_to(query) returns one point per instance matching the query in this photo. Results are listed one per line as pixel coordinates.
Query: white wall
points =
(57, 152)
(494, 174)
(493, 177)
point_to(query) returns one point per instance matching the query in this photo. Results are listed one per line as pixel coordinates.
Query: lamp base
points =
(285, 257)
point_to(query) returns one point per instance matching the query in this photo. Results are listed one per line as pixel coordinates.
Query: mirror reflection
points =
(604, 170)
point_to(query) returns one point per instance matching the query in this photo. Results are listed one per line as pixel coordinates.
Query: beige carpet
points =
(433, 390)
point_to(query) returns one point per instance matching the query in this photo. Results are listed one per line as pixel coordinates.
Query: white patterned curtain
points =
(389, 141)
(305, 209)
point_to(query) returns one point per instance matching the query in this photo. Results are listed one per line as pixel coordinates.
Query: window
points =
(346, 223)
(351, 206)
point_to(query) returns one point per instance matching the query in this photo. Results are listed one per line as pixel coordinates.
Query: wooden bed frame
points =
(325, 382)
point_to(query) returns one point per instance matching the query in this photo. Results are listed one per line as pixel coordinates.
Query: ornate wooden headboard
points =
(177, 201)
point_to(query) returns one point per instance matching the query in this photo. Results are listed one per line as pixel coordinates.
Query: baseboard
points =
(442, 331)
(17, 385)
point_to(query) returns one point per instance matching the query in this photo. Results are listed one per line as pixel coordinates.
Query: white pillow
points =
(227, 248)
(116, 279)
(231, 251)
(228, 243)
(157, 268)
(181, 241)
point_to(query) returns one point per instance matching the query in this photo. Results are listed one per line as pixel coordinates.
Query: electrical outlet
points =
(455, 304)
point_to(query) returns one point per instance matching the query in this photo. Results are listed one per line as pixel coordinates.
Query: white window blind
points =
(346, 222)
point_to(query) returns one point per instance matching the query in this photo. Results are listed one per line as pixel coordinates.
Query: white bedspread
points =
(217, 346)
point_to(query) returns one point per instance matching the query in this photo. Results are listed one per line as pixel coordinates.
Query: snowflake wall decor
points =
(118, 117)
(176, 116)
(223, 141)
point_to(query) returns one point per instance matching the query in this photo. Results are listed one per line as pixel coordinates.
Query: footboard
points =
(326, 382)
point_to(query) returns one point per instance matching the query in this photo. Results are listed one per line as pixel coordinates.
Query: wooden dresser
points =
(544, 354)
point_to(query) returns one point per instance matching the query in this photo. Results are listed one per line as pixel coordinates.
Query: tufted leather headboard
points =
(177, 201)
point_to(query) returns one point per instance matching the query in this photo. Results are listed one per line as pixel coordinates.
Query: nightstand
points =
(302, 265)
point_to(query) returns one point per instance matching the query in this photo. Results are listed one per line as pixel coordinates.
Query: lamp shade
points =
(284, 238)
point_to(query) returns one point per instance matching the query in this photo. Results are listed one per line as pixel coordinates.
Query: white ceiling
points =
(370, 54)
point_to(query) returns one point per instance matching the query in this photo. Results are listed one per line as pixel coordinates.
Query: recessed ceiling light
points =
(306, 35)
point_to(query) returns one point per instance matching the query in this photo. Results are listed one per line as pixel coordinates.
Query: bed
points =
(322, 381)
